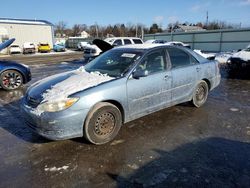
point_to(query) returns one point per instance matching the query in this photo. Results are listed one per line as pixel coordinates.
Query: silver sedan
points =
(120, 85)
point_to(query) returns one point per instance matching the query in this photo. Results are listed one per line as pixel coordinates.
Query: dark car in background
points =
(12, 75)
(239, 63)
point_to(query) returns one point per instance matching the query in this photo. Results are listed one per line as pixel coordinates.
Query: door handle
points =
(198, 69)
(166, 77)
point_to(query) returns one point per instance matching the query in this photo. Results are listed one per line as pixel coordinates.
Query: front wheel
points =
(102, 123)
(11, 79)
(200, 94)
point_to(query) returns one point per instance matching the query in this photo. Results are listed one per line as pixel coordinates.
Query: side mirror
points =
(139, 73)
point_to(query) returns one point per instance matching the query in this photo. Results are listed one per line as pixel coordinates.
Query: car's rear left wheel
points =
(102, 123)
(11, 79)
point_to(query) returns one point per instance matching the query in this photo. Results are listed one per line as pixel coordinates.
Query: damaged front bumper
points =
(61, 125)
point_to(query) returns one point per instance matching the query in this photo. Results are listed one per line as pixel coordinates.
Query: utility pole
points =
(207, 19)
(96, 29)
(136, 30)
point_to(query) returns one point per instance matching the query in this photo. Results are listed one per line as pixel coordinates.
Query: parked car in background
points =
(119, 41)
(44, 47)
(210, 56)
(59, 48)
(122, 84)
(82, 45)
(12, 75)
(99, 46)
(239, 62)
(29, 47)
(14, 49)
(178, 43)
(156, 41)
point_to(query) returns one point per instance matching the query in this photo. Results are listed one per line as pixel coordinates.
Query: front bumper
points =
(55, 125)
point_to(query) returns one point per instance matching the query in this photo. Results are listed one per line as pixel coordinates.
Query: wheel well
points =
(208, 83)
(119, 106)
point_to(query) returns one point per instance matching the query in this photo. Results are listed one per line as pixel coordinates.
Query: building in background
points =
(23, 30)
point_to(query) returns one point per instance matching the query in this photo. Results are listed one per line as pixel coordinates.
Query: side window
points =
(117, 42)
(137, 41)
(178, 58)
(153, 62)
(127, 41)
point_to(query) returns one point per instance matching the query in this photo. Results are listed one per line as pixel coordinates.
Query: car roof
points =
(144, 46)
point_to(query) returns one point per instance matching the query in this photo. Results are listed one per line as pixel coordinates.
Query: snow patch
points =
(244, 55)
(54, 169)
(223, 57)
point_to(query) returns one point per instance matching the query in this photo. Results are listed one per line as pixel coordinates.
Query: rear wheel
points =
(200, 94)
(11, 79)
(103, 123)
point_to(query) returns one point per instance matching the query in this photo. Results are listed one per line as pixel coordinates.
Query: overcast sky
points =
(104, 12)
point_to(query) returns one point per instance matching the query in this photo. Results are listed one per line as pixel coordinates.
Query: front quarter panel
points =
(110, 91)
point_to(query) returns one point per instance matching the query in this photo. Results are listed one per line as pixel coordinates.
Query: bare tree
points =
(60, 27)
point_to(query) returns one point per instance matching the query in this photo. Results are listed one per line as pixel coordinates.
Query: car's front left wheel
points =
(102, 123)
(11, 79)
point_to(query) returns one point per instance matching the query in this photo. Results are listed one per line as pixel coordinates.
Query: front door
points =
(150, 93)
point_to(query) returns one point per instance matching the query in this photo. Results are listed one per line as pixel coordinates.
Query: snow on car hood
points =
(244, 55)
(78, 81)
(60, 86)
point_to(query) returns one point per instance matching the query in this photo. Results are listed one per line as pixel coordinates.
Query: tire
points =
(102, 123)
(200, 94)
(11, 79)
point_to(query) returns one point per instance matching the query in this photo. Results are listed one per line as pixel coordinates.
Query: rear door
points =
(152, 92)
(184, 70)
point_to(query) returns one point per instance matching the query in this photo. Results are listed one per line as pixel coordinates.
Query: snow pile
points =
(78, 81)
(223, 57)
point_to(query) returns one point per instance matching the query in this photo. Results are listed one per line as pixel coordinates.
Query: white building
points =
(84, 34)
(23, 30)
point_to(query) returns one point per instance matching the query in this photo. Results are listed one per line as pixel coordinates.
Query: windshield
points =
(114, 63)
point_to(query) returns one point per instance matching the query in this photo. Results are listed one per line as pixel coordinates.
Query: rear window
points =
(137, 41)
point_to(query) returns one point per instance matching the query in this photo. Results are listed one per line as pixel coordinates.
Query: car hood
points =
(104, 46)
(6, 43)
(60, 86)
(244, 55)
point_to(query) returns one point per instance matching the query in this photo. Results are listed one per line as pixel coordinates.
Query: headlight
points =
(58, 105)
